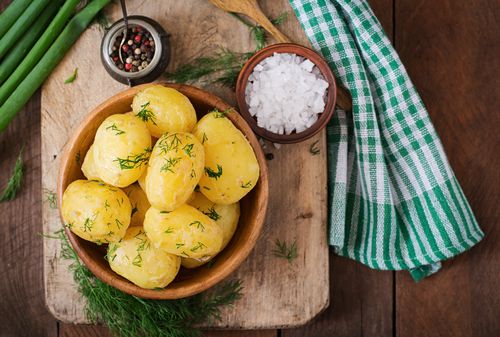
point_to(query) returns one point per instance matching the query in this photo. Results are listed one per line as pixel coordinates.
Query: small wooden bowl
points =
(323, 67)
(187, 282)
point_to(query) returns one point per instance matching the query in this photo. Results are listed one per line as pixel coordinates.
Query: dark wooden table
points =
(451, 49)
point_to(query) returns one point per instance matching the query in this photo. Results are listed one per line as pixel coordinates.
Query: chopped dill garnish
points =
(145, 114)
(129, 316)
(169, 230)
(73, 77)
(114, 128)
(284, 251)
(199, 245)
(111, 254)
(88, 224)
(165, 146)
(193, 173)
(170, 164)
(248, 184)
(106, 205)
(212, 174)
(134, 161)
(178, 245)
(164, 212)
(212, 214)
(198, 224)
(118, 223)
(187, 149)
(204, 138)
(314, 149)
(14, 183)
(50, 197)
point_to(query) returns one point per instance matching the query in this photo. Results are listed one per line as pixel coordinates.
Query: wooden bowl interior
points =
(188, 282)
(331, 95)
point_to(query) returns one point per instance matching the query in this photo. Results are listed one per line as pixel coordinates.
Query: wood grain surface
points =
(450, 49)
(276, 293)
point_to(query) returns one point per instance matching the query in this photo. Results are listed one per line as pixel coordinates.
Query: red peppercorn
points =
(128, 66)
(137, 38)
(146, 43)
(137, 28)
(115, 59)
(125, 48)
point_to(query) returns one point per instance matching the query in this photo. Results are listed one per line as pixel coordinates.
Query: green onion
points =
(16, 54)
(45, 41)
(11, 14)
(21, 25)
(48, 62)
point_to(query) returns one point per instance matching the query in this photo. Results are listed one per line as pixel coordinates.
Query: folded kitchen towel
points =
(394, 202)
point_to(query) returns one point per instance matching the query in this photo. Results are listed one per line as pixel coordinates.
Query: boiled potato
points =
(139, 202)
(138, 261)
(175, 166)
(121, 149)
(96, 211)
(142, 180)
(164, 110)
(88, 167)
(231, 168)
(226, 216)
(184, 232)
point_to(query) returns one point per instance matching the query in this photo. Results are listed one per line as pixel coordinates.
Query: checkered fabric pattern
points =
(394, 202)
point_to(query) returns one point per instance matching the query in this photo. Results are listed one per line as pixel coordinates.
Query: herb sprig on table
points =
(14, 183)
(285, 251)
(130, 316)
(224, 66)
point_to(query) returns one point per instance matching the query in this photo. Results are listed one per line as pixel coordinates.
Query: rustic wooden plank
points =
(451, 51)
(84, 330)
(361, 298)
(22, 307)
(276, 293)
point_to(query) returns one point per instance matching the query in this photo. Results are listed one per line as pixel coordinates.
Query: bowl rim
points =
(231, 264)
(305, 52)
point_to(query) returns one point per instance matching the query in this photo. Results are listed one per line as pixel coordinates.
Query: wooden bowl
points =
(187, 282)
(323, 67)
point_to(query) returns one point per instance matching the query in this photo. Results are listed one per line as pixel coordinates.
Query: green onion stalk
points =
(48, 62)
(21, 25)
(38, 50)
(11, 14)
(20, 49)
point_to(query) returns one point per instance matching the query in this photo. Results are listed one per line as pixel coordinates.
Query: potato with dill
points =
(226, 216)
(184, 232)
(139, 202)
(138, 261)
(121, 149)
(96, 211)
(231, 168)
(175, 166)
(88, 167)
(164, 110)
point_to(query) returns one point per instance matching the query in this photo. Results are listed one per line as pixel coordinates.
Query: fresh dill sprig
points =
(313, 149)
(50, 197)
(134, 161)
(212, 174)
(130, 316)
(284, 251)
(258, 32)
(212, 214)
(14, 183)
(145, 114)
(72, 77)
(170, 164)
(226, 63)
(114, 128)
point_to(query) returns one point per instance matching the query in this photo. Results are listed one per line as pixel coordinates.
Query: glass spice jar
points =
(145, 52)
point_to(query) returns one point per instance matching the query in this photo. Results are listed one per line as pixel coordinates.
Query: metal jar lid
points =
(160, 58)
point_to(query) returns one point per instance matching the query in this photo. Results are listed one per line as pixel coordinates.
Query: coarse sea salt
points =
(286, 93)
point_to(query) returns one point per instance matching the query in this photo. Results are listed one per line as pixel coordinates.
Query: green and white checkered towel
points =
(394, 201)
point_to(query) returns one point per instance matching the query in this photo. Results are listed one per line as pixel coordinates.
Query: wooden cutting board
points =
(276, 293)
